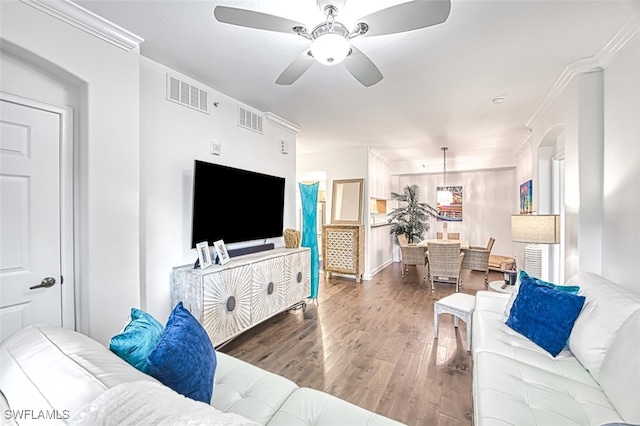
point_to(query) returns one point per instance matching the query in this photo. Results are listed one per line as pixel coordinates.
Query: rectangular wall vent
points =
(249, 120)
(185, 94)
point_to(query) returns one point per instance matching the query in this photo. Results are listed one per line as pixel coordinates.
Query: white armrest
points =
(491, 301)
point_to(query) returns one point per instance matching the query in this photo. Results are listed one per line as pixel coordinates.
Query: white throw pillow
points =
(620, 370)
(606, 309)
(514, 294)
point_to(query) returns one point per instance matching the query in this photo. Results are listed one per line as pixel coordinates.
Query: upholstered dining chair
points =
(476, 258)
(412, 255)
(445, 261)
(450, 235)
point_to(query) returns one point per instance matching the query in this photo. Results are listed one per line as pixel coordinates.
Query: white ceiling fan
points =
(330, 40)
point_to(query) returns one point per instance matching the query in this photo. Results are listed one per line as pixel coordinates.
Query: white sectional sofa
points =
(595, 380)
(57, 374)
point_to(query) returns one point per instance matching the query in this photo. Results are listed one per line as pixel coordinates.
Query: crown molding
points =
(378, 154)
(81, 18)
(281, 123)
(458, 164)
(597, 62)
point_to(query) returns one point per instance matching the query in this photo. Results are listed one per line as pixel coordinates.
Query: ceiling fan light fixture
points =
(330, 48)
(331, 39)
(444, 196)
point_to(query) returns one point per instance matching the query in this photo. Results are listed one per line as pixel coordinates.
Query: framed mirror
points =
(346, 201)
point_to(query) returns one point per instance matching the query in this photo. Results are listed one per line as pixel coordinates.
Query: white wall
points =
(348, 163)
(486, 208)
(379, 250)
(556, 128)
(456, 163)
(621, 230)
(61, 64)
(600, 116)
(134, 155)
(172, 137)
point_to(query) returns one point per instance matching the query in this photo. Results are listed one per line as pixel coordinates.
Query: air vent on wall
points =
(185, 94)
(249, 120)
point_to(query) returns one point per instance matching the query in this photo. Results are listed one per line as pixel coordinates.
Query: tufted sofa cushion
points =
(247, 390)
(309, 407)
(510, 392)
(517, 382)
(50, 368)
(491, 334)
(55, 369)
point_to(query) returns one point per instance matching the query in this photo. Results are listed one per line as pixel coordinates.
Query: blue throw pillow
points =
(137, 339)
(184, 358)
(544, 315)
(573, 289)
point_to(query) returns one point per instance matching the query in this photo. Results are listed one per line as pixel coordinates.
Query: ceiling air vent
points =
(185, 94)
(249, 120)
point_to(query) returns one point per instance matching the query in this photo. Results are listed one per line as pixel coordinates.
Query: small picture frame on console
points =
(204, 255)
(221, 250)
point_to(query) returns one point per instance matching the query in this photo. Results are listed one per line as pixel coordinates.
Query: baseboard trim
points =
(378, 269)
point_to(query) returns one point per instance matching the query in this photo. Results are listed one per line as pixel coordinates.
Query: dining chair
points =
(476, 258)
(412, 255)
(445, 261)
(450, 235)
(488, 247)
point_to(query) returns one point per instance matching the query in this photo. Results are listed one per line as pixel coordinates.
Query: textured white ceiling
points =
(438, 81)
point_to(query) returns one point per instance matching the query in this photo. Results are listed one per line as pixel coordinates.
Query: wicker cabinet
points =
(343, 250)
(247, 290)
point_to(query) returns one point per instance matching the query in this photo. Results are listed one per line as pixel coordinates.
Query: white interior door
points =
(30, 227)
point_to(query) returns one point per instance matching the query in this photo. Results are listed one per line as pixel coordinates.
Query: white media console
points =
(229, 299)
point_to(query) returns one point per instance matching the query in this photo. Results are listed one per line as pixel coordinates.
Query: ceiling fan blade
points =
(253, 19)
(407, 17)
(362, 68)
(295, 69)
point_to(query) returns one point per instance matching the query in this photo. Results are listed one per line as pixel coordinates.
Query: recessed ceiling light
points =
(498, 100)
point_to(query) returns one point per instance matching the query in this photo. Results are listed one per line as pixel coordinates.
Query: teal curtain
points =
(309, 198)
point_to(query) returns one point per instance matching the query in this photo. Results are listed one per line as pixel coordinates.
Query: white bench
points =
(459, 305)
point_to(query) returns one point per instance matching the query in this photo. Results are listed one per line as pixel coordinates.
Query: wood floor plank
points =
(372, 344)
(424, 402)
(456, 397)
(371, 390)
(395, 400)
(449, 421)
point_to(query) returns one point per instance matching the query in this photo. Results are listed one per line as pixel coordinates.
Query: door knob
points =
(45, 283)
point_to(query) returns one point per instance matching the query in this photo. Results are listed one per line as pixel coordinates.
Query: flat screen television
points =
(235, 205)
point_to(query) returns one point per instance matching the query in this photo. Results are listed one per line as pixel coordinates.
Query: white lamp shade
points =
(536, 229)
(330, 48)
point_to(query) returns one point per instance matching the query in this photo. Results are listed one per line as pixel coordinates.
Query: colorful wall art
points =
(451, 212)
(526, 197)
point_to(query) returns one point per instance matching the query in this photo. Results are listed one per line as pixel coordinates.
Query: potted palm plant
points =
(412, 218)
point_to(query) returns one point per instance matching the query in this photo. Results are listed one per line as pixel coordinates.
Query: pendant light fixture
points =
(444, 197)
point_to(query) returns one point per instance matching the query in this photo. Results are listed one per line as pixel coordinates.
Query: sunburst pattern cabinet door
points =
(268, 295)
(227, 303)
(298, 276)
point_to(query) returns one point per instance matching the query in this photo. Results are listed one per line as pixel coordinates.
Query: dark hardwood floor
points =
(372, 344)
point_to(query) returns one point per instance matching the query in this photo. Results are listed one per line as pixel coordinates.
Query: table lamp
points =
(534, 230)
